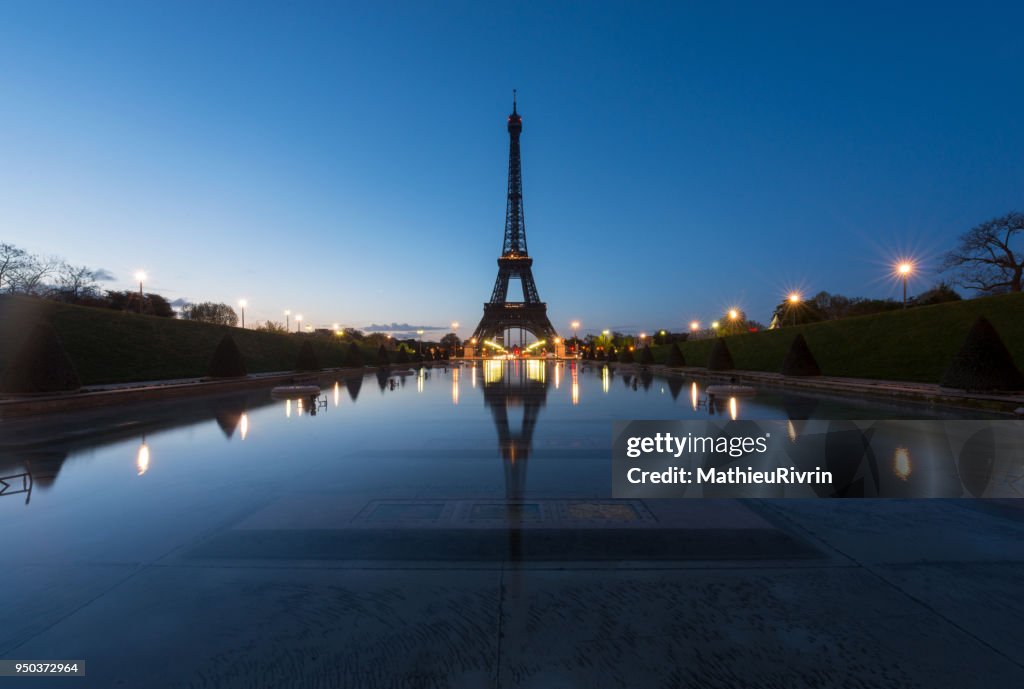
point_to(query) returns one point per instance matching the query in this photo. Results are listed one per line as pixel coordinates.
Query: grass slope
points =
(912, 345)
(113, 347)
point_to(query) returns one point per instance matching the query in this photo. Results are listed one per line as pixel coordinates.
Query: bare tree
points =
(11, 261)
(31, 276)
(76, 281)
(990, 257)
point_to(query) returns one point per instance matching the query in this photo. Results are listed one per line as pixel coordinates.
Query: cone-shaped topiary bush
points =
(40, 365)
(402, 357)
(983, 362)
(355, 355)
(610, 355)
(627, 356)
(227, 361)
(382, 356)
(646, 356)
(720, 358)
(675, 356)
(307, 360)
(799, 360)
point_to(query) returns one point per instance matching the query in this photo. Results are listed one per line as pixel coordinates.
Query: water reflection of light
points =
(298, 406)
(142, 458)
(733, 408)
(337, 393)
(493, 370)
(575, 386)
(901, 465)
(288, 409)
(455, 386)
(791, 429)
(694, 395)
(535, 370)
(605, 379)
(243, 425)
(558, 378)
(420, 377)
(473, 375)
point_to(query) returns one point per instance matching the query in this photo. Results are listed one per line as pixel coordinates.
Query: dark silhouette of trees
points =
(990, 256)
(210, 312)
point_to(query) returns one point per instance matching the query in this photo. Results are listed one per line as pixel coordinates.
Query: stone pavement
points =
(732, 594)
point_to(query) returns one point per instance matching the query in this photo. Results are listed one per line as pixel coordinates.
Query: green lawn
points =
(913, 345)
(112, 346)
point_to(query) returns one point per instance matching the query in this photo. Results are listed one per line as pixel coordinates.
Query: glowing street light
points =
(715, 326)
(298, 322)
(419, 339)
(242, 303)
(141, 277)
(733, 314)
(794, 301)
(904, 269)
(287, 320)
(694, 326)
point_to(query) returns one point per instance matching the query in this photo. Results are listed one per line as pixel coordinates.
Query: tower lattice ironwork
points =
(500, 314)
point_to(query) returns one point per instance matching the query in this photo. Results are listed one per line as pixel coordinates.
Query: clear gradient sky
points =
(348, 160)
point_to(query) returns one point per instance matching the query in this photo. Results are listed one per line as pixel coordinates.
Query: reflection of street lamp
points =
(298, 323)
(904, 269)
(287, 320)
(141, 277)
(242, 303)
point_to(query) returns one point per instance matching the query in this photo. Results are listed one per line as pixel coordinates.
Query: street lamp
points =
(242, 303)
(794, 301)
(419, 341)
(298, 323)
(141, 277)
(694, 326)
(904, 269)
(575, 340)
(733, 314)
(715, 326)
(287, 320)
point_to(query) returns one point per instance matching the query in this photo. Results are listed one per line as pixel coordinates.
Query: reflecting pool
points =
(453, 526)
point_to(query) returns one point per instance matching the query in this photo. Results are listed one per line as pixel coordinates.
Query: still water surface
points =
(116, 478)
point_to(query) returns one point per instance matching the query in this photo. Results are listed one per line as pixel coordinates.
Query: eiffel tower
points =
(500, 314)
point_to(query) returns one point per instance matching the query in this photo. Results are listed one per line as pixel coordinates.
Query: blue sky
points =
(348, 160)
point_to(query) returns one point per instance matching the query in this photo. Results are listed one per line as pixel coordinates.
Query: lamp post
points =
(904, 269)
(242, 303)
(794, 302)
(288, 320)
(455, 345)
(141, 277)
(714, 326)
(298, 323)
(419, 341)
(694, 327)
(575, 340)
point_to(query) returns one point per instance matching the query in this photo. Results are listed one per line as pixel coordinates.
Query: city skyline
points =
(350, 165)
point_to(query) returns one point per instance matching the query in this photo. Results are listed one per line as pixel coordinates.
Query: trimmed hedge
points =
(720, 358)
(40, 365)
(307, 361)
(227, 361)
(799, 360)
(675, 356)
(382, 356)
(646, 357)
(627, 356)
(983, 362)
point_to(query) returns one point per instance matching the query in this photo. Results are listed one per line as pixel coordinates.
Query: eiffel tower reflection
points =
(515, 384)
